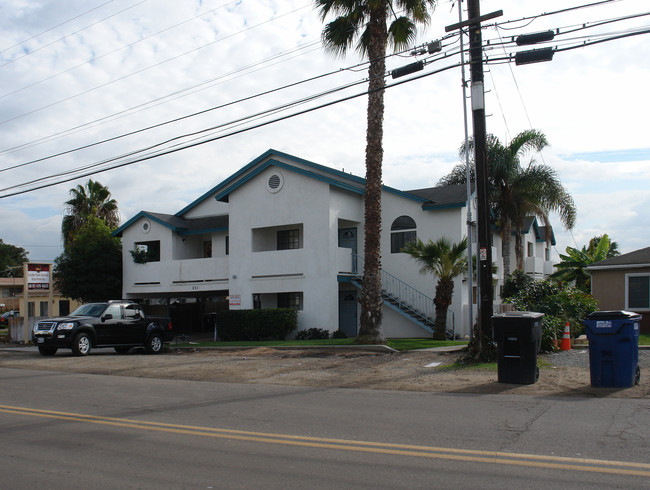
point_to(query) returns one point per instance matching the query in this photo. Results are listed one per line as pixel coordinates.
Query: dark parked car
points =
(118, 324)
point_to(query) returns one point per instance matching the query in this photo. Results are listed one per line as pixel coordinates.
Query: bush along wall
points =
(260, 324)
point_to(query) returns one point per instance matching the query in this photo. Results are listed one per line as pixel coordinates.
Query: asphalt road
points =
(60, 430)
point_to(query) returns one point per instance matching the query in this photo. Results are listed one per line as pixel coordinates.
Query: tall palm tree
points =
(93, 199)
(364, 25)
(518, 190)
(446, 261)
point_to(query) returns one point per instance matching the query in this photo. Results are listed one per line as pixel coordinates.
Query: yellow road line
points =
(470, 455)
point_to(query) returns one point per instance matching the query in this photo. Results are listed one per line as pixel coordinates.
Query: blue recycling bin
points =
(613, 348)
(518, 335)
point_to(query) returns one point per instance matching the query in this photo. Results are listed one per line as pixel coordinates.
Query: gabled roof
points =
(542, 233)
(446, 196)
(182, 226)
(638, 258)
(313, 170)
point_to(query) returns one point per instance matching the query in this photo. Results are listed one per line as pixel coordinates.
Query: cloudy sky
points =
(117, 80)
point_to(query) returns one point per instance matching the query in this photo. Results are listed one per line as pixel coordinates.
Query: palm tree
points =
(364, 24)
(446, 261)
(573, 265)
(519, 190)
(93, 199)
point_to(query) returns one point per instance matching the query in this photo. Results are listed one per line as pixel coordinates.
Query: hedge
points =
(259, 324)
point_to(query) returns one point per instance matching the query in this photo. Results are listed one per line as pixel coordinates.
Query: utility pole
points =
(480, 160)
(483, 335)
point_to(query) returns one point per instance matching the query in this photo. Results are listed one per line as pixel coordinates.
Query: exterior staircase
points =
(404, 299)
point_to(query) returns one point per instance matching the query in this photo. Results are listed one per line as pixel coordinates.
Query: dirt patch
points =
(425, 371)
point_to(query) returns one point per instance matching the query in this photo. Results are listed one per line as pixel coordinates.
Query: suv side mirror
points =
(107, 316)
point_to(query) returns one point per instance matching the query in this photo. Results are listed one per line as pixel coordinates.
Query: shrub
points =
(560, 303)
(260, 324)
(339, 334)
(514, 283)
(313, 334)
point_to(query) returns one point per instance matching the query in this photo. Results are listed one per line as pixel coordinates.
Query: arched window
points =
(402, 231)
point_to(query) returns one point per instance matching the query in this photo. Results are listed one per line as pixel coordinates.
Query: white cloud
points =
(587, 100)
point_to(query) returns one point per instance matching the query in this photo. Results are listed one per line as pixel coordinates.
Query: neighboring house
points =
(286, 232)
(623, 283)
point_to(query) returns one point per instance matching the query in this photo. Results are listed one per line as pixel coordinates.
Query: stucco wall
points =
(310, 270)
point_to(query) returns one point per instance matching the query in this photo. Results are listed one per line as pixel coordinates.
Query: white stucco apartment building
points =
(286, 232)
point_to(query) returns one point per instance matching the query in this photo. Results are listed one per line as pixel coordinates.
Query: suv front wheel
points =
(81, 345)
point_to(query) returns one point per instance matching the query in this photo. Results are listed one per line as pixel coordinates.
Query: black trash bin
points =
(613, 348)
(518, 335)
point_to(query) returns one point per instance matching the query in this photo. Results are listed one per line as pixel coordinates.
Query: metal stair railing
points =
(402, 295)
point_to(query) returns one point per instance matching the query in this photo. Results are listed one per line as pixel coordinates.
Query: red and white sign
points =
(38, 277)
(235, 300)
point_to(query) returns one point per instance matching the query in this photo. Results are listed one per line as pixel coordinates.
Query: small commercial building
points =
(33, 295)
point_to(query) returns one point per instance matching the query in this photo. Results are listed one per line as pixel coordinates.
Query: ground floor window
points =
(290, 300)
(638, 291)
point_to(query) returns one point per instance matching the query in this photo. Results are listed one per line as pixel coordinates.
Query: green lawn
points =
(397, 344)
(644, 339)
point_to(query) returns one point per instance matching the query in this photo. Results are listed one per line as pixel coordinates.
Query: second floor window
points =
(288, 239)
(402, 231)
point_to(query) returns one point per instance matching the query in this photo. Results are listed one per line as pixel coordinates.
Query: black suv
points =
(118, 324)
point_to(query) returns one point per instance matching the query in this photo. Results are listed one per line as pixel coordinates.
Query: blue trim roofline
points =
(180, 230)
(244, 174)
(141, 214)
(434, 207)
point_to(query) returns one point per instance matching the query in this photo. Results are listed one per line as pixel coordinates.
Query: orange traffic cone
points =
(566, 338)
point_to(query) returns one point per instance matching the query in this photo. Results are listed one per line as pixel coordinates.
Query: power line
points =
(54, 27)
(239, 122)
(96, 58)
(71, 34)
(293, 84)
(145, 69)
(219, 137)
(167, 98)
(169, 140)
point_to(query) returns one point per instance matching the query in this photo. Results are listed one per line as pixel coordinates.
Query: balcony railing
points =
(176, 272)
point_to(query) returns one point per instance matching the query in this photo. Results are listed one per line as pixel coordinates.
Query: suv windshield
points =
(91, 309)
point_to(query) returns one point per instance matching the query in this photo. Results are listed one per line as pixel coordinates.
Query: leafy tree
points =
(364, 25)
(572, 267)
(446, 261)
(613, 247)
(560, 303)
(93, 199)
(90, 268)
(517, 190)
(514, 283)
(11, 260)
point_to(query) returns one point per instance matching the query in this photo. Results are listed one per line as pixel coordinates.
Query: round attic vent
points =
(275, 182)
(146, 226)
